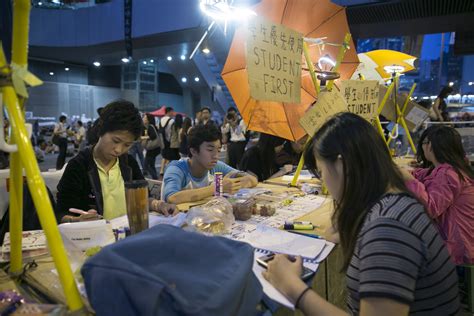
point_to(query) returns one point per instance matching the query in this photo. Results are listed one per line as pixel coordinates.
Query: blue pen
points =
(307, 235)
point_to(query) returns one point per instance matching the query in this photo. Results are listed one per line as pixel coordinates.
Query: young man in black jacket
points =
(94, 181)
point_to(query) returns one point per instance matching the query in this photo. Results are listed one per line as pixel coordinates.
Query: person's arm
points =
(71, 192)
(436, 110)
(439, 194)
(191, 195)
(285, 276)
(173, 188)
(246, 180)
(284, 170)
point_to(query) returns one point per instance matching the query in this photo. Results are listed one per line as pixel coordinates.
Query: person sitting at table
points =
(260, 160)
(446, 186)
(94, 181)
(395, 261)
(191, 179)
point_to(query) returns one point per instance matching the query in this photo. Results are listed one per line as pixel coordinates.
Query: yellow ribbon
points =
(21, 77)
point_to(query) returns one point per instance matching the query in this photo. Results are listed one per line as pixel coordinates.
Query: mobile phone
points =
(263, 260)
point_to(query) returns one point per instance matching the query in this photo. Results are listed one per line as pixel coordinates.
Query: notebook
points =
(275, 240)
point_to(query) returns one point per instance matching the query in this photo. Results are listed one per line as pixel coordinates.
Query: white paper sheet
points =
(153, 220)
(279, 241)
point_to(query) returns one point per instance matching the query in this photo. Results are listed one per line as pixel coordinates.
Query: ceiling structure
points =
(367, 18)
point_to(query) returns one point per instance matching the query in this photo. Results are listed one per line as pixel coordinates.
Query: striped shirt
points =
(400, 256)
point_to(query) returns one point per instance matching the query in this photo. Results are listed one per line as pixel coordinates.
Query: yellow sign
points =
(361, 96)
(329, 103)
(274, 61)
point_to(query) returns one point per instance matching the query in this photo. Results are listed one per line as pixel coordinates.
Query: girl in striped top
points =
(395, 261)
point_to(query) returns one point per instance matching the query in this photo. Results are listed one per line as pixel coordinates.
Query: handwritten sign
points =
(417, 115)
(274, 61)
(329, 103)
(411, 118)
(361, 96)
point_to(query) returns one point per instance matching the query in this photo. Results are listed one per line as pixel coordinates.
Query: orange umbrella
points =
(312, 18)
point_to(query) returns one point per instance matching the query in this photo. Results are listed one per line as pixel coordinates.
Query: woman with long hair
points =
(174, 137)
(151, 154)
(395, 261)
(183, 137)
(445, 184)
(260, 160)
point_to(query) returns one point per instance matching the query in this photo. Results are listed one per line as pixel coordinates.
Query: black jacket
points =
(80, 187)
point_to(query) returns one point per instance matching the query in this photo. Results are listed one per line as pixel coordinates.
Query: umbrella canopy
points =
(162, 111)
(312, 18)
(373, 64)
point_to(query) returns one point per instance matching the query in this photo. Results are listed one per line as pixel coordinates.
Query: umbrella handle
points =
(394, 136)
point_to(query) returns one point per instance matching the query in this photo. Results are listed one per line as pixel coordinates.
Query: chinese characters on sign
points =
(361, 96)
(329, 103)
(274, 61)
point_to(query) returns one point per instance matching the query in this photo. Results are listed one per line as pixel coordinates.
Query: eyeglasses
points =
(425, 142)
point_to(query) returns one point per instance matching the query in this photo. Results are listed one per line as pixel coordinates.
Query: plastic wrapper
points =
(215, 217)
(265, 209)
(243, 208)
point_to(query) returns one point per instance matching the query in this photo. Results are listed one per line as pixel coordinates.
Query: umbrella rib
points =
(243, 109)
(223, 74)
(283, 15)
(325, 21)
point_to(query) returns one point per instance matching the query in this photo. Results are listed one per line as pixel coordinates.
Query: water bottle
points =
(398, 148)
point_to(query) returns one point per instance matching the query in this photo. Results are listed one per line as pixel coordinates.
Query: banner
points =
(127, 24)
(329, 103)
(274, 54)
(361, 96)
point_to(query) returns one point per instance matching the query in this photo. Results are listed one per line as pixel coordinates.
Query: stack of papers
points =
(33, 244)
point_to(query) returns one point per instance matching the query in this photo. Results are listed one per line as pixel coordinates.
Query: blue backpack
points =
(168, 271)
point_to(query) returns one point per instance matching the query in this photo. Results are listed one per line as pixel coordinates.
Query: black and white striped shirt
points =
(399, 255)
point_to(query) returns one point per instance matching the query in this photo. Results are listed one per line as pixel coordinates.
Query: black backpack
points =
(162, 134)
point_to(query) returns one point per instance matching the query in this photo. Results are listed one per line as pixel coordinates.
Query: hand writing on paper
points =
(284, 275)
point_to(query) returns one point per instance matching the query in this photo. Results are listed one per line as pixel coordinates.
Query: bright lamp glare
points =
(183, 57)
(184, 79)
(206, 50)
(125, 60)
(169, 58)
(196, 79)
(96, 63)
(221, 10)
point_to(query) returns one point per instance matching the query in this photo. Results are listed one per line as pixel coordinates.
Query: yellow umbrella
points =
(381, 63)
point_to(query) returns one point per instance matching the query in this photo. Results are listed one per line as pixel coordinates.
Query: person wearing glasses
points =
(192, 179)
(445, 184)
(394, 258)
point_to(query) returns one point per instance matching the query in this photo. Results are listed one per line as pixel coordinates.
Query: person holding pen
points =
(394, 258)
(93, 183)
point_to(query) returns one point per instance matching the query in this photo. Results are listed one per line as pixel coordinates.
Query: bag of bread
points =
(215, 217)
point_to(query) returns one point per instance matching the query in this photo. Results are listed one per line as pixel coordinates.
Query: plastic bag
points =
(215, 217)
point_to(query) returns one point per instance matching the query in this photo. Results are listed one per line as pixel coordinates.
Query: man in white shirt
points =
(233, 131)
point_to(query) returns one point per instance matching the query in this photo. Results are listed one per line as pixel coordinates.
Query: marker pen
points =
(298, 227)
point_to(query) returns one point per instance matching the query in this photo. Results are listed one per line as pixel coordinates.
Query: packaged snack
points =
(243, 209)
